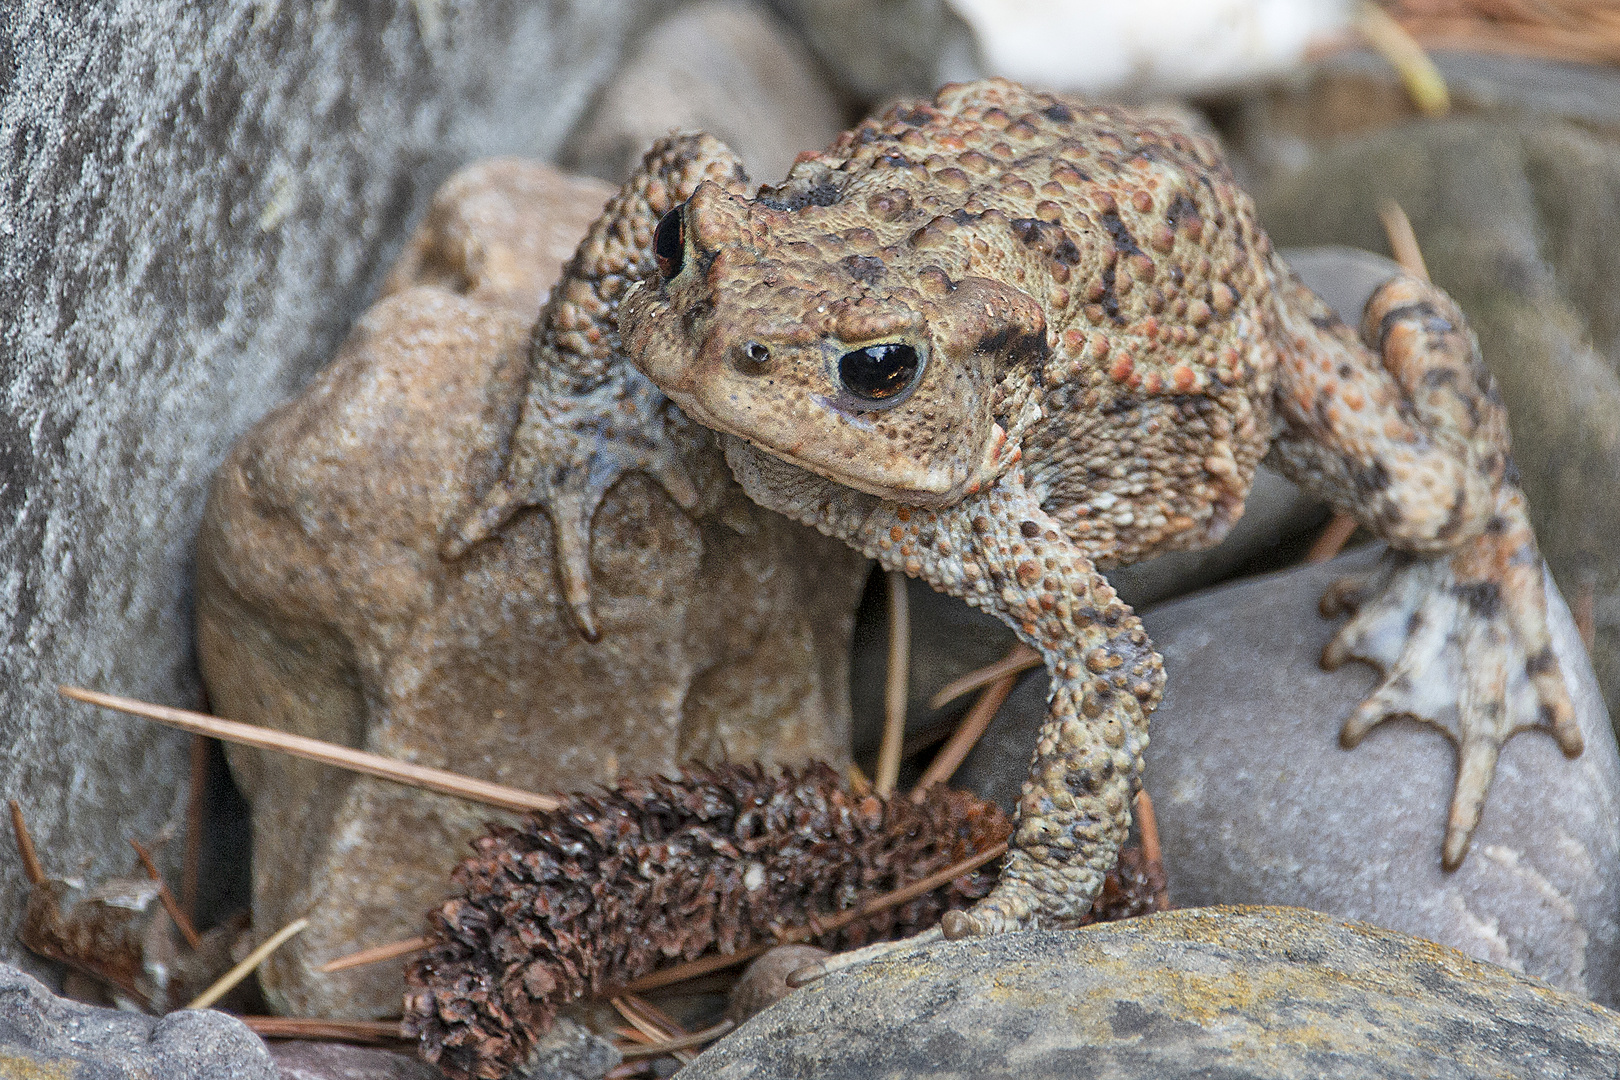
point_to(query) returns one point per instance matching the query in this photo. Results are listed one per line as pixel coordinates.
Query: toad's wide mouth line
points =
(927, 500)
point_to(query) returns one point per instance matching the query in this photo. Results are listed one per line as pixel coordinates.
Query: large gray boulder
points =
(198, 201)
(1227, 993)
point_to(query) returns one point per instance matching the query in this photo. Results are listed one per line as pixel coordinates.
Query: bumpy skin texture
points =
(1002, 339)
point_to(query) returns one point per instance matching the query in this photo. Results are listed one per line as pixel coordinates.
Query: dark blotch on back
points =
(1371, 480)
(1182, 208)
(1122, 404)
(867, 269)
(1421, 311)
(1048, 238)
(1125, 244)
(1058, 113)
(1019, 346)
(1123, 240)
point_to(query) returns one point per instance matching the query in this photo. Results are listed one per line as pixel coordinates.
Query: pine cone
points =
(656, 871)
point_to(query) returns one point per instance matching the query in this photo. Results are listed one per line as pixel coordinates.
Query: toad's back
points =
(1129, 231)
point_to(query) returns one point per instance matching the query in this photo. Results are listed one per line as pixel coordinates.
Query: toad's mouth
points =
(863, 461)
(849, 468)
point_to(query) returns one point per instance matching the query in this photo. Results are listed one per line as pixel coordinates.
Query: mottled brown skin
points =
(1106, 347)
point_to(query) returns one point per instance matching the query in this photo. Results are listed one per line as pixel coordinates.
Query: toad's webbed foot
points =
(1463, 644)
(567, 452)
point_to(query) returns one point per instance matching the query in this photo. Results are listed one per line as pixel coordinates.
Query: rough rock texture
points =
(44, 1037)
(1513, 205)
(1257, 802)
(325, 607)
(197, 202)
(721, 66)
(1236, 993)
(335, 1061)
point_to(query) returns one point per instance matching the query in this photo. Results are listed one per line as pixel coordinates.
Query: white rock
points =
(1159, 47)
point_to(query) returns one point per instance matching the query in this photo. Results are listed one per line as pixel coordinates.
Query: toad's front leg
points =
(1000, 551)
(589, 417)
(1412, 440)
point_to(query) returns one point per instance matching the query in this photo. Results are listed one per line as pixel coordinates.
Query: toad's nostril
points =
(753, 359)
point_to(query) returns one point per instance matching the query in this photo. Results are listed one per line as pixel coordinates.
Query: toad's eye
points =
(669, 243)
(878, 373)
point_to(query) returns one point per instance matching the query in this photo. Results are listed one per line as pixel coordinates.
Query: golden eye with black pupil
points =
(669, 243)
(877, 373)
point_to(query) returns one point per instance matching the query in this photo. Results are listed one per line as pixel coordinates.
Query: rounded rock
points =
(1231, 992)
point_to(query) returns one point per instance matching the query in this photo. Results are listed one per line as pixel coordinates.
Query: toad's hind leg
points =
(1001, 552)
(1414, 444)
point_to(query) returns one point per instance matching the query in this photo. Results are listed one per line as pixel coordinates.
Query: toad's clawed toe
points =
(568, 450)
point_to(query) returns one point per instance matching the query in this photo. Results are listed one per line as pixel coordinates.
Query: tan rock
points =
(325, 608)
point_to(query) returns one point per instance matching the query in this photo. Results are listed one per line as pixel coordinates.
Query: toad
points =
(1004, 340)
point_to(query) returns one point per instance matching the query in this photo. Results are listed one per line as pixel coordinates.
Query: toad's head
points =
(804, 330)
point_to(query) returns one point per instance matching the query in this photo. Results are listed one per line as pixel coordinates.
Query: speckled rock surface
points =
(1257, 803)
(199, 200)
(325, 607)
(44, 1037)
(722, 66)
(1513, 204)
(1235, 993)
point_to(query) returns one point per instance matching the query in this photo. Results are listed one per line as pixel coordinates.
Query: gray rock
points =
(1229, 993)
(886, 49)
(199, 201)
(568, 1051)
(1257, 803)
(1357, 91)
(43, 1036)
(334, 1061)
(721, 66)
(1513, 205)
